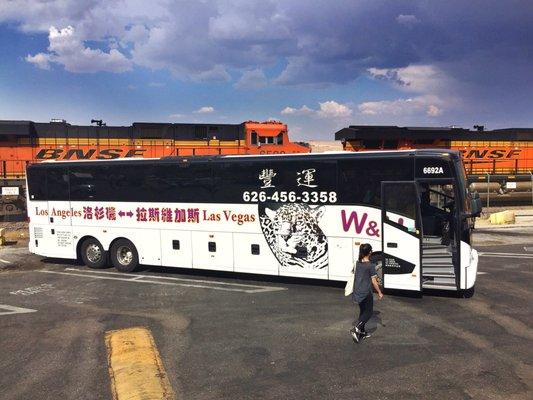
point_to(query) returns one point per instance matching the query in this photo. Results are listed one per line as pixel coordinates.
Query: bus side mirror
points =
(475, 204)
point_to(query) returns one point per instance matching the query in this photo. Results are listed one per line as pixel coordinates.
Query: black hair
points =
(364, 250)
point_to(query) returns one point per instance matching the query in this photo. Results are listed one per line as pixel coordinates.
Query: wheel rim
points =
(93, 252)
(124, 255)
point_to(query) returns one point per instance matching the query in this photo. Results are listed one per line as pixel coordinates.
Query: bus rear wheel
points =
(124, 255)
(93, 254)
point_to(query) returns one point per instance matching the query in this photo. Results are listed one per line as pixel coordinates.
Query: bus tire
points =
(124, 256)
(468, 293)
(93, 254)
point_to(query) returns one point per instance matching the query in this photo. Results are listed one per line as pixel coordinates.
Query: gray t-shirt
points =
(364, 271)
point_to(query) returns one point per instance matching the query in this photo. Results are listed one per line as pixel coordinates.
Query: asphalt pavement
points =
(224, 336)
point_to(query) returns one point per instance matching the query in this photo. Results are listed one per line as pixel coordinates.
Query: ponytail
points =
(364, 250)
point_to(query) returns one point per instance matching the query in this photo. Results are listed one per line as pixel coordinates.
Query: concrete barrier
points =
(503, 217)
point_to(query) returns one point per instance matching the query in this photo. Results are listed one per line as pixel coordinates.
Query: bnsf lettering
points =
(108, 154)
(490, 154)
(79, 154)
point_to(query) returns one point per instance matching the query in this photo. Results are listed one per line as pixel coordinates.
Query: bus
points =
(301, 215)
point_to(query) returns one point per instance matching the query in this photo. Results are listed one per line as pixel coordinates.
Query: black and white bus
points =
(290, 215)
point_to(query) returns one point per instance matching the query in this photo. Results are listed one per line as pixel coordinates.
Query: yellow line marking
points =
(135, 367)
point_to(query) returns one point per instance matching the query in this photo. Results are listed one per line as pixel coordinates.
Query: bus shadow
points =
(200, 273)
(62, 261)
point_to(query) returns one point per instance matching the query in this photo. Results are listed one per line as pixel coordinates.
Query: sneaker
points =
(365, 335)
(355, 336)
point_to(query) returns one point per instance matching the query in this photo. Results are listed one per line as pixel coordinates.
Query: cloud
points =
(253, 79)
(205, 110)
(428, 105)
(327, 110)
(433, 111)
(303, 110)
(479, 51)
(176, 116)
(407, 19)
(216, 74)
(332, 109)
(67, 49)
(40, 60)
(413, 78)
(435, 91)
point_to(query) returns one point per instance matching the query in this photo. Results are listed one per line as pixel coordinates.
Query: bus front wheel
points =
(93, 254)
(124, 255)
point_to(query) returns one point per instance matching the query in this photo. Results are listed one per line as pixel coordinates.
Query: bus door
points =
(58, 233)
(401, 237)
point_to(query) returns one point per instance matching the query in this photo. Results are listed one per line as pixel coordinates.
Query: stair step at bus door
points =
(449, 271)
(436, 261)
(439, 283)
(437, 249)
(431, 240)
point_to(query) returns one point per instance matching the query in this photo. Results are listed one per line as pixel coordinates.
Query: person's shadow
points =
(374, 322)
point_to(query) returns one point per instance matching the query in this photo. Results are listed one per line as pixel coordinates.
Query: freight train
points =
(25, 142)
(497, 161)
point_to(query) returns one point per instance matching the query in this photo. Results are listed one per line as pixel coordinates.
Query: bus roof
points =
(305, 156)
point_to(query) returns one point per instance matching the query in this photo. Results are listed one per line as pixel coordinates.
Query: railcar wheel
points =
(124, 256)
(93, 254)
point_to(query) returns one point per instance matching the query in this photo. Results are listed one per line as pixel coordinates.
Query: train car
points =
(26, 142)
(498, 161)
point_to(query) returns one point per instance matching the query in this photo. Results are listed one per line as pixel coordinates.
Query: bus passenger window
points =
(57, 183)
(37, 184)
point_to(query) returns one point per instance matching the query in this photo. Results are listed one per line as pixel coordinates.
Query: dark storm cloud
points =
(480, 49)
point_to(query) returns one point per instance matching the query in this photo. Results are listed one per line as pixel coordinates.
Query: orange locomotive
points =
(24, 142)
(496, 152)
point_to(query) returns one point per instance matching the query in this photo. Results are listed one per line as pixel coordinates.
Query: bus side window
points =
(174, 183)
(37, 183)
(360, 180)
(82, 184)
(58, 183)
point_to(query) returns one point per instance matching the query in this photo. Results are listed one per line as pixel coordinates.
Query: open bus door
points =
(401, 239)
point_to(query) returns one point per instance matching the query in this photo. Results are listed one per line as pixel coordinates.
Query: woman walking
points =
(365, 278)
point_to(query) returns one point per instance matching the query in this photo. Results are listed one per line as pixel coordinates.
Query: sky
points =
(316, 65)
